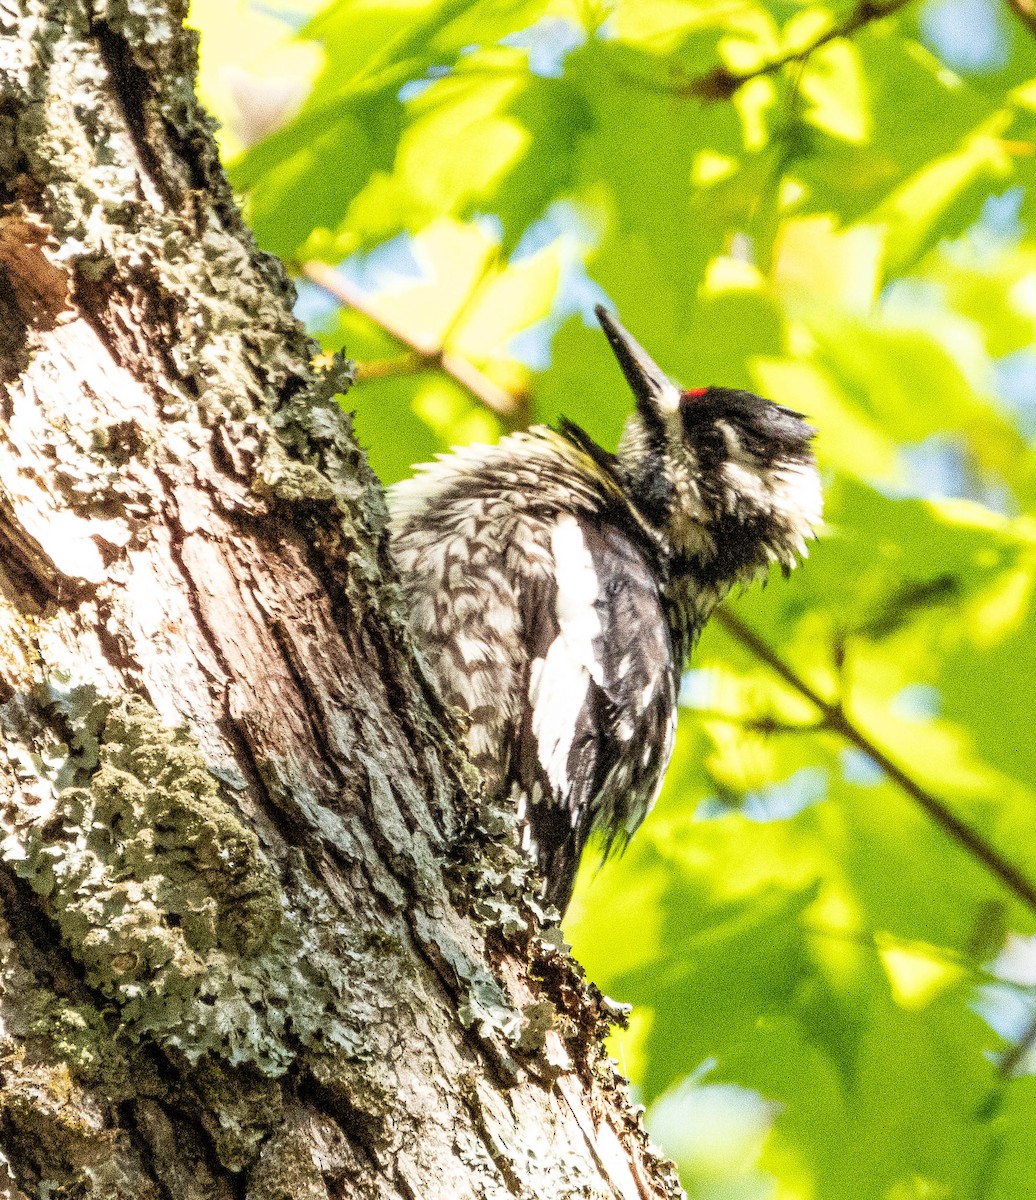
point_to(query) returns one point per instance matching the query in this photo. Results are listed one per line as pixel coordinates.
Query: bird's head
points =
(727, 478)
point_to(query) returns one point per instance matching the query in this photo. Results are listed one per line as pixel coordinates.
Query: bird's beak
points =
(653, 389)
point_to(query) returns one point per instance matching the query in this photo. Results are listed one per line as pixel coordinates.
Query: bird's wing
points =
(596, 733)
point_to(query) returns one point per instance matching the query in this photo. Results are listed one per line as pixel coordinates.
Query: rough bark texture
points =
(257, 938)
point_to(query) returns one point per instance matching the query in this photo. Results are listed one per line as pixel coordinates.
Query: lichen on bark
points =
(165, 898)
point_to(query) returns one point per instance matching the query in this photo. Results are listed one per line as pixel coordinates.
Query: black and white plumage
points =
(556, 590)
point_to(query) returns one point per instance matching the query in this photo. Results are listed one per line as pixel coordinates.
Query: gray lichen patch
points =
(148, 27)
(110, 142)
(78, 1036)
(313, 459)
(167, 901)
(312, 424)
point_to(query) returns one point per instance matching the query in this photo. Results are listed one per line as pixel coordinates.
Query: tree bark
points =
(258, 936)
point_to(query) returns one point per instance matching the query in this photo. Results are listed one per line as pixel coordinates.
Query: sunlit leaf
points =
(944, 196)
(835, 86)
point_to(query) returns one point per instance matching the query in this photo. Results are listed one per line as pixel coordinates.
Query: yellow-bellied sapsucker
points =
(556, 590)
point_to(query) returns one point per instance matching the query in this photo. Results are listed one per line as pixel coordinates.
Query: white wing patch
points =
(559, 681)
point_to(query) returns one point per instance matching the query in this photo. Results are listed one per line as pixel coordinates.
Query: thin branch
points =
(749, 638)
(431, 354)
(1025, 11)
(835, 719)
(721, 82)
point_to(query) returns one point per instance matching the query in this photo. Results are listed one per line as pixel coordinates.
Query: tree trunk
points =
(257, 937)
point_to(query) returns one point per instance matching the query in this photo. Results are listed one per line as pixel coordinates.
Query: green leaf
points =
(303, 178)
(488, 135)
(942, 198)
(915, 113)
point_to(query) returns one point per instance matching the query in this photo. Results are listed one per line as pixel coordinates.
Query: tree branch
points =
(835, 719)
(721, 83)
(430, 355)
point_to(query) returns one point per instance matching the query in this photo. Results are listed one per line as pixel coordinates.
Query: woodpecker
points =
(556, 590)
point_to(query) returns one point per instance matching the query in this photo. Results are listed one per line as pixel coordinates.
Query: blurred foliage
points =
(829, 991)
